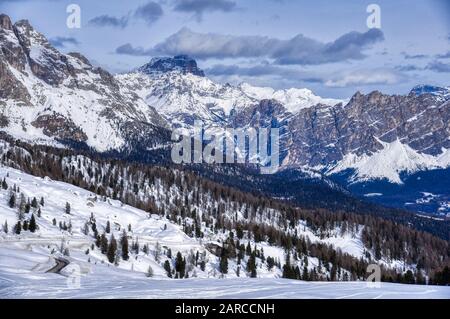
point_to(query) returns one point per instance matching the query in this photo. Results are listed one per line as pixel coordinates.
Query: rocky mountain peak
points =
(180, 63)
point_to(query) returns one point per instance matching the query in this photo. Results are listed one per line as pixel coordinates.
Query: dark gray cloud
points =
(299, 50)
(199, 7)
(128, 49)
(408, 68)
(61, 42)
(408, 56)
(149, 12)
(438, 66)
(109, 21)
(443, 56)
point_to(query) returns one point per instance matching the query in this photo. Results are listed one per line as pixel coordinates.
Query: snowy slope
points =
(29, 284)
(293, 99)
(388, 163)
(146, 229)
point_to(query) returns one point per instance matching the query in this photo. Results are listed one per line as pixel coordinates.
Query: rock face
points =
(322, 135)
(63, 97)
(181, 63)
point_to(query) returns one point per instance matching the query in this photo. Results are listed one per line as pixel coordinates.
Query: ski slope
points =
(109, 282)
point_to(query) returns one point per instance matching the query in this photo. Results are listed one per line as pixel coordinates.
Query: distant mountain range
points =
(48, 97)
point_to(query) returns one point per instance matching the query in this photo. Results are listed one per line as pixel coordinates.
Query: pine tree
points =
(180, 265)
(150, 272)
(124, 244)
(112, 248)
(34, 203)
(103, 244)
(288, 271)
(18, 228)
(251, 265)
(42, 201)
(67, 209)
(5, 227)
(223, 265)
(167, 268)
(157, 251)
(12, 200)
(248, 250)
(305, 275)
(108, 227)
(203, 265)
(4, 184)
(32, 227)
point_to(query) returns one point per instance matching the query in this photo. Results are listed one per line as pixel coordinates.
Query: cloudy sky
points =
(323, 45)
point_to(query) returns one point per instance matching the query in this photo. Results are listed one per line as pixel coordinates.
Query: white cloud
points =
(364, 77)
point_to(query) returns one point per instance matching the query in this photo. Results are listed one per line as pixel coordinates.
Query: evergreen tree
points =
(305, 275)
(288, 270)
(108, 227)
(12, 200)
(409, 278)
(248, 250)
(4, 184)
(18, 228)
(5, 227)
(180, 265)
(223, 265)
(103, 244)
(112, 248)
(32, 227)
(251, 265)
(34, 203)
(67, 209)
(167, 268)
(157, 253)
(42, 201)
(124, 244)
(150, 272)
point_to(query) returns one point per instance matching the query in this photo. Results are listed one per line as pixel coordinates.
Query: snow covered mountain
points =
(444, 93)
(179, 90)
(47, 96)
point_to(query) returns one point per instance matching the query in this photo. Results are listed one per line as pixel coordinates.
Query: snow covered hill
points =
(27, 258)
(58, 230)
